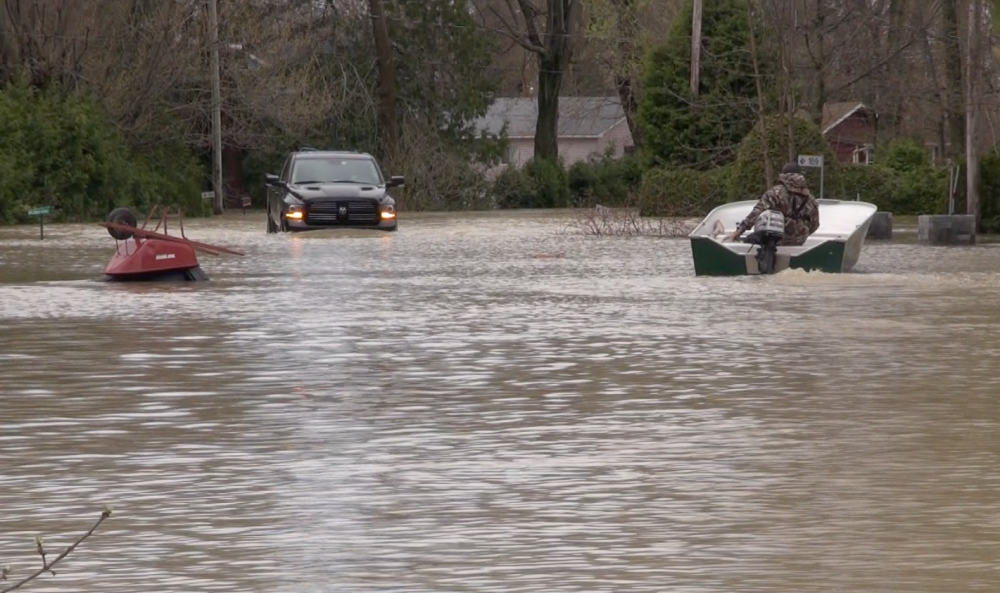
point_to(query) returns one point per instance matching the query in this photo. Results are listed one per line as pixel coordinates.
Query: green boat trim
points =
(835, 247)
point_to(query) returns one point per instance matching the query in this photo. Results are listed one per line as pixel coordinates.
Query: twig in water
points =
(48, 566)
(604, 221)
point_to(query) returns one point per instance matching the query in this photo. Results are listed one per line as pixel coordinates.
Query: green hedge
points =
(747, 180)
(605, 180)
(903, 181)
(869, 183)
(61, 150)
(539, 184)
(918, 191)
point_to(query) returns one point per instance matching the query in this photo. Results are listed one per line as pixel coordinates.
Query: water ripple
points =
(439, 409)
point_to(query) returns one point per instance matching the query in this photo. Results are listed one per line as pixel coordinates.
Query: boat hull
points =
(713, 259)
(833, 249)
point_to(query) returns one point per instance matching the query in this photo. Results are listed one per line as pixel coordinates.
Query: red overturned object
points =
(150, 255)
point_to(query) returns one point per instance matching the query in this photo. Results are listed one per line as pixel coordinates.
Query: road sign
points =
(208, 195)
(40, 212)
(810, 160)
(814, 160)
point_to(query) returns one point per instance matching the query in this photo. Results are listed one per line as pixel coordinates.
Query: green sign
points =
(40, 211)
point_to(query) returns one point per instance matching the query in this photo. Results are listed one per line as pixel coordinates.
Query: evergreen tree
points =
(746, 173)
(442, 64)
(703, 131)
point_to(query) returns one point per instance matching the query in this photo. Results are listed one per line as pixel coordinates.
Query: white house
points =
(587, 126)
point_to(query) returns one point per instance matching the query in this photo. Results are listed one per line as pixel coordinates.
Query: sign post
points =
(814, 160)
(40, 212)
(207, 197)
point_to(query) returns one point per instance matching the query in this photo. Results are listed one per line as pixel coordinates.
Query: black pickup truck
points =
(319, 189)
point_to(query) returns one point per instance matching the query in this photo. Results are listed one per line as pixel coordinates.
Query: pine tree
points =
(702, 132)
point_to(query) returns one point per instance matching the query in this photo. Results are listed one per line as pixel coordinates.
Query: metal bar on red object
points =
(180, 220)
(149, 216)
(213, 249)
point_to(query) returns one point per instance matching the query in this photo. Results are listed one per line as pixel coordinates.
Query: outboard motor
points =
(767, 232)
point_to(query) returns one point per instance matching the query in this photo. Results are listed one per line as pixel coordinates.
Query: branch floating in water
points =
(47, 566)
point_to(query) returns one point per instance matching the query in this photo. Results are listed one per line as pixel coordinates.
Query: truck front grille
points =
(343, 212)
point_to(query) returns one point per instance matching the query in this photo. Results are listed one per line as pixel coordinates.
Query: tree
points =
(442, 65)
(954, 112)
(621, 32)
(44, 41)
(551, 33)
(703, 131)
(387, 116)
(748, 179)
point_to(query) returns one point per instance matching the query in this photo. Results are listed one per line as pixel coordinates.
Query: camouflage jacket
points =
(791, 197)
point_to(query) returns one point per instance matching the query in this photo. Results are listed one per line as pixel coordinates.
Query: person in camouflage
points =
(791, 197)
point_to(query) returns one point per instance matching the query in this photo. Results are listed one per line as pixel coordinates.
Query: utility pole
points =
(973, 70)
(213, 32)
(696, 48)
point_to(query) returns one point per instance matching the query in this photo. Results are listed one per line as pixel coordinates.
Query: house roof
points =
(579, 117)
(836, 113)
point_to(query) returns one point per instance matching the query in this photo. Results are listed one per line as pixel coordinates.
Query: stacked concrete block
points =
(947, 229)
(880, 227)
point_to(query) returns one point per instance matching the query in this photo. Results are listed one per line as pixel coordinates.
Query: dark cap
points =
(791, 168)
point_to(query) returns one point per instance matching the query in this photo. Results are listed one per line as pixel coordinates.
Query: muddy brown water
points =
(492, 403)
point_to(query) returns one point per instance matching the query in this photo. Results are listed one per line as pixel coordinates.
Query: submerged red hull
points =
(138, 258)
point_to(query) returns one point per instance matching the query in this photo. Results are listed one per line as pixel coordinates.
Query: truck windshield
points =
(335, 170)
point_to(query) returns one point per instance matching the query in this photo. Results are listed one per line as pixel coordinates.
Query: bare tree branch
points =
(48, 566)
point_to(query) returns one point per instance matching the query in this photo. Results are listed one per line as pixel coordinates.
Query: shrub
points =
(747, 180)
(921, 191)
(989, 192)
(551, 183)
(903, 181)
(439, 176)
(905, 156)
(61, 150)
(605, 180)
(918, 190)
(539, 184)
(513, 188)
(681, 192)
(869, 183)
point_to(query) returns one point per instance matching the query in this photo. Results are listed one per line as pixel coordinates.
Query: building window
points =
(864, 155)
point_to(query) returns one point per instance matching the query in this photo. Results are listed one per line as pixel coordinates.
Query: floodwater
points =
(495, 403)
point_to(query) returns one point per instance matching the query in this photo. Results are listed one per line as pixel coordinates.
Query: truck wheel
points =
(122, 216)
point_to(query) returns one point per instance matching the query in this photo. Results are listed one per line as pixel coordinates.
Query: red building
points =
(849, 127)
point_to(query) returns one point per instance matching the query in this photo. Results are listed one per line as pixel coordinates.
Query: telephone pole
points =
(973, 70)
(213, 32)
